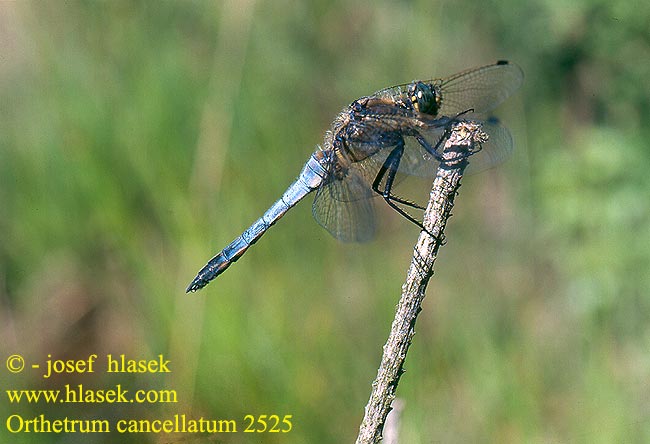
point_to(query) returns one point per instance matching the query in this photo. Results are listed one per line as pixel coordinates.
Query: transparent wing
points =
(344, 207)
(496, 150)
(481, 89)
(417, 161)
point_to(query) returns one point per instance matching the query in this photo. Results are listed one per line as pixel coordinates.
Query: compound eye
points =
(424, 98)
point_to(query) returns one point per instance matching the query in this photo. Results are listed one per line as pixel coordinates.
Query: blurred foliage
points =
(138, 138)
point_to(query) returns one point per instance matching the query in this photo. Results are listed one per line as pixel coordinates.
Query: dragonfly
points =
(375, 142)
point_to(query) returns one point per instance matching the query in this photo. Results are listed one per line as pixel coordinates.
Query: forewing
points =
(481, 89)
(345, 209)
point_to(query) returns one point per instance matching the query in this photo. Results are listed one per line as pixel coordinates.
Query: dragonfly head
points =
(423, 97)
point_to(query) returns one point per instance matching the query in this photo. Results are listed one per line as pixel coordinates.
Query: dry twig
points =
(465, 137)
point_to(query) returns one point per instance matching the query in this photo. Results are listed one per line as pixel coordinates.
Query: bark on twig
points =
(465, 138)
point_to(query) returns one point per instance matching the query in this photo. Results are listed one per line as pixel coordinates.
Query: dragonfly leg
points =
(462, 113)
(406, 202)
(433, 150)
(389, 171)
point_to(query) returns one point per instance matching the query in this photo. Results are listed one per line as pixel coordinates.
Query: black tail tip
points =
(196, 285)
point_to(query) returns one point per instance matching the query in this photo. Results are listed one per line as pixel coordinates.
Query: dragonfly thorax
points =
(423, 98)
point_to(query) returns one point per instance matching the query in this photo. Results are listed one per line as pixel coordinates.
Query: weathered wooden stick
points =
(464, 138)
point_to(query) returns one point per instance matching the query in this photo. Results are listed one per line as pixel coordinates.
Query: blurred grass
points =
(138, 138)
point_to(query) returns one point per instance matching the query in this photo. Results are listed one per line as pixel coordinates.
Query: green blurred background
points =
(139, 138)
